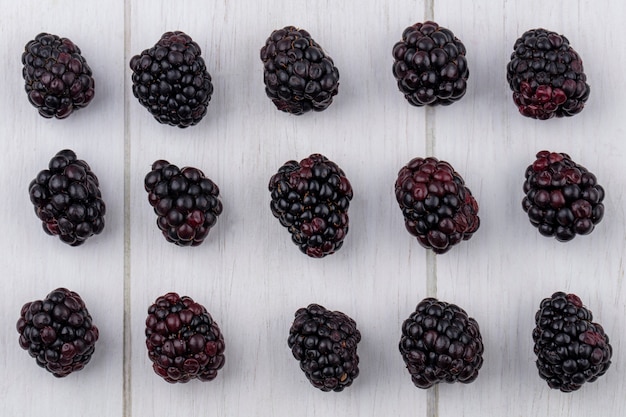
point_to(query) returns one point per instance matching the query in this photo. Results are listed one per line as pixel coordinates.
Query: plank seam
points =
(126, 365)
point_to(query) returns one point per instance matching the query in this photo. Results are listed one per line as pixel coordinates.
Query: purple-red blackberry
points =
(440, 343)
(562, 199)
(186, 203)
(546, 75)
(570, 348)
(171, 80)
(58, 332)
(183, 340)
(325, 343)
(299, 76)
(438, 209)
(67, 199)
(430, 65)
(58, 79)
(311, 199)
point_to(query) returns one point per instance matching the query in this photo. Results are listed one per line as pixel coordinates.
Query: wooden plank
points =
(33, 263)
(248, 273)
(507, 268)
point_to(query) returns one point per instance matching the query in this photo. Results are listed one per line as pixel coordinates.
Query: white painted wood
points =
(248, 273)
(33, 264)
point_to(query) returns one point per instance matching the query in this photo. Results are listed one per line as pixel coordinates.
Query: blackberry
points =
(58, 79)
(570, 348)
(440, 343)
(183, 340)
(186, 203)
(58, 332)
(430, 65)
(67, 199)
(438, 209)
(562, 199)
(299, 76)
(311, 199)
(171, 80)
(325, 343)
(546, 76)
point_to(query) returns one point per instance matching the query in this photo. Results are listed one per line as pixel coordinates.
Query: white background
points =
(248, 273)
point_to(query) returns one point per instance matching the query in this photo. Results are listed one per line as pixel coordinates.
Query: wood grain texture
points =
(248, 273)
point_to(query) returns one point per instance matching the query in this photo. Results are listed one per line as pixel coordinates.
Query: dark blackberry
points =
(562, 198)
(438, 209)
(171, 80)
(430, 65)
(58, 79)
(570, 348)
(325, 343)
(58, 332)
(183, 340)
(440, 343)
(67, 199)
(311, 199)
(299, 76)
(546, 75)
(186, 203)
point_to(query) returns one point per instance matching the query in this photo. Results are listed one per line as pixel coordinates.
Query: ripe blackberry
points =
(183, 340)
(430, 65)
(438, 209)
(311, 199)
(67, 199)
(186, 203)
(299, 76)
(440, 343)
(325, 343)
(58, 79)
(546, 75)
(562, 198)
(58, 332)
(570, 348)
(171, 80)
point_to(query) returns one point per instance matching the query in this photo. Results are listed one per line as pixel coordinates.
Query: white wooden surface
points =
(248, 273)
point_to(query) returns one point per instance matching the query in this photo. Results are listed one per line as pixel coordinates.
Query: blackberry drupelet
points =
(546, 75)
(570, 348)
(298, 74)
(171, 80)
(58, 79)
(562, 199)
(440, 343)
(67, 199)
(58, 332)
(183, 340)
(187, 204)
(438, 209)
(325, 343)
(430, 65)
(311, 199)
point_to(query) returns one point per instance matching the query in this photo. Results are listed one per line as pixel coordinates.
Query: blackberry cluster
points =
(570, 348)
(325, 343)
(58, 79)
(183, 340)
(440, 343)
(67, 199)
(546, 75)
(186, 203)
(311, 199)
(430, 65)
(299, 76)
(58, 332)
(438, 209)
(562, 198)
(171, 80)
